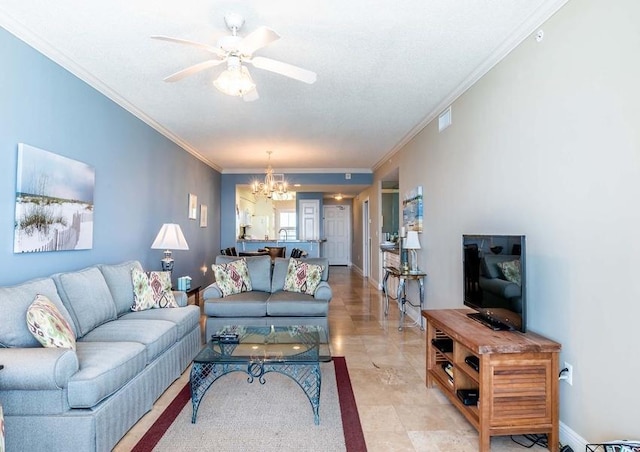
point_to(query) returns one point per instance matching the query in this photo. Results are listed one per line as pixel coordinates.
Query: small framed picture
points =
(203, 216)
(193, 206)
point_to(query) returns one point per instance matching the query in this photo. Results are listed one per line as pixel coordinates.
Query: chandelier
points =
(273, 183)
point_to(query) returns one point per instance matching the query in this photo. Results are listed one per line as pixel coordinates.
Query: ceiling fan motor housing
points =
(234, 21)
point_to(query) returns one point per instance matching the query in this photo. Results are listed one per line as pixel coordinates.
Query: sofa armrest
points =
(181, 298)
(212, 291)
(37, 368)
(323, 292)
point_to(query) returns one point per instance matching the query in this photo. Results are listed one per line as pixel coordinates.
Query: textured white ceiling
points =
(384, 69)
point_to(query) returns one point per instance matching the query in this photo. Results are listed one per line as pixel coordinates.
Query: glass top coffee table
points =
(294, 351)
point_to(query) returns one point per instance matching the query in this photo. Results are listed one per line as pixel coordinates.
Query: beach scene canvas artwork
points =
(54, 202)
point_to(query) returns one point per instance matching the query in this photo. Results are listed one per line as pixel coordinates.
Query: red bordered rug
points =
(353, 435)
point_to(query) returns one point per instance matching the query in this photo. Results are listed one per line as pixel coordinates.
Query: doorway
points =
(337, 231)
(366, 239)
(309, 219)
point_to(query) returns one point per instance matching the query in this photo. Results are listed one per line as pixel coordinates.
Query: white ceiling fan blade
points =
(285, 69)
(216, 50)
(251, 95)
(192, 70)
(256, 40)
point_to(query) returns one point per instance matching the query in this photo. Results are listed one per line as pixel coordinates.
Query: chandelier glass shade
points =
(273, 183)
(235, 80)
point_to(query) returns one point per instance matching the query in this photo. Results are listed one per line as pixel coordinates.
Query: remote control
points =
(228, 338)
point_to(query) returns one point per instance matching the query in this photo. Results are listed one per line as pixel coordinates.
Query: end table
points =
(196, 292)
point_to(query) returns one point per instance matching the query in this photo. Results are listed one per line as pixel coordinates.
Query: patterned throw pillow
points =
(160, 283)
(232, 277)
(48, 326)
(152, 290)
(511, 271)
(142, 293)
(303, 277)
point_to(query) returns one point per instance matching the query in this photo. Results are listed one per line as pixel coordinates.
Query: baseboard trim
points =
(570, 438)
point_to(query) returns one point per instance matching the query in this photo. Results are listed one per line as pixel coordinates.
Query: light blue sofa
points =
(58, 399)
(268, 303)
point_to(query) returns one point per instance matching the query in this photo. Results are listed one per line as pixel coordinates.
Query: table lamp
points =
(412, 243)
(169, 238)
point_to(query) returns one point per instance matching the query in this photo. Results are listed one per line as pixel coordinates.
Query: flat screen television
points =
(495, 286)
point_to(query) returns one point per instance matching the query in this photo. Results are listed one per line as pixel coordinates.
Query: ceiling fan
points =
(236, 51)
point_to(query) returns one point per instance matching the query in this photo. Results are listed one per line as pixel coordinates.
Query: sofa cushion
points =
(302, 277)
(105, 367)
(156, 335)
(259, 270)
(185, 318)
(48, 326)
(281, 266)
(86, 295)
(119, 281)
(14, 302)
(232, 277)
(246, 304)
(295, 304)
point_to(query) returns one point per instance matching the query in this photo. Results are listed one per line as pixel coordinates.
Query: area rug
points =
(236, 416)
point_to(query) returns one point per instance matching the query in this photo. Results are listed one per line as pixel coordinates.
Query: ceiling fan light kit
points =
(234, 50)
(235, 80)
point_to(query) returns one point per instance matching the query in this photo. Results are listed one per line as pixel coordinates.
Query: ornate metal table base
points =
(307, 375)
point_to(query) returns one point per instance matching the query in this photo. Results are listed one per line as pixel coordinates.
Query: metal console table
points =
(401, 296)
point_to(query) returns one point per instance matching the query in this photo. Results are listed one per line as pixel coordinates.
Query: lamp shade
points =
(412, 242)
(170, 237)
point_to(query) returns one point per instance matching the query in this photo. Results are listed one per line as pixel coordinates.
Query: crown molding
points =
(514, 40)
(69, 64)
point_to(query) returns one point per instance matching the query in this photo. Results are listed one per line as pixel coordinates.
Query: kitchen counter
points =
(280, 241)
(311, 247)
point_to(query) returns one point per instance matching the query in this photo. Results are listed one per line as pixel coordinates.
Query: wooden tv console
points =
(517, 380)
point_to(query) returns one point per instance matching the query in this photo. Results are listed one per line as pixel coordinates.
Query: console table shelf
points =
(516, 380)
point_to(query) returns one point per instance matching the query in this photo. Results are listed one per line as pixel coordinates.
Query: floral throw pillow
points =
(232, 277)
(511, 271)
(152, 290)
(303, 277)
(142, 293)
(48, 326)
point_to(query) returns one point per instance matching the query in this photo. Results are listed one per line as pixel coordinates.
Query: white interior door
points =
(337, 231)
(310, 219)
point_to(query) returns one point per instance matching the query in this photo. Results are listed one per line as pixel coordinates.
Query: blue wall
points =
(142, 178)
(228, 194)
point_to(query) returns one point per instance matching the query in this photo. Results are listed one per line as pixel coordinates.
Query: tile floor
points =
(387, 368)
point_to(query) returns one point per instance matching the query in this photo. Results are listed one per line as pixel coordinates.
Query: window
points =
(287, 224)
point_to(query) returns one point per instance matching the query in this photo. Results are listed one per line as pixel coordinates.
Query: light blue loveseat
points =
(268, 303)
(58, 399)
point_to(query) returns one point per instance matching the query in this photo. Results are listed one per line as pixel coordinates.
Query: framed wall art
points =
(412, 210)
(54, 202)
(203, 216)
(193, 206)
